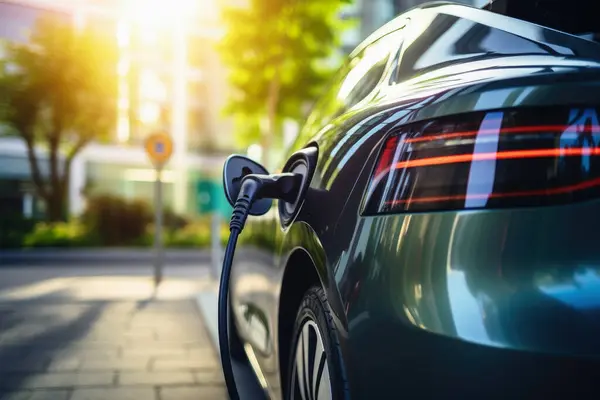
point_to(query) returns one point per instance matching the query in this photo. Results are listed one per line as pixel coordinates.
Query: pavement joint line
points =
(189, 385)
(112, 386)
(189, 354)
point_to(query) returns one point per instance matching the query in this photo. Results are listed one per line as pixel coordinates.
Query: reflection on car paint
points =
(443, 291)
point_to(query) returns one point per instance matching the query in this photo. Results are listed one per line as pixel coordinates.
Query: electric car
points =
(445, 240)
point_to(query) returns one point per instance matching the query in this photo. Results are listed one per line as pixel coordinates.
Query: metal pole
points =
(158, 225)
(216, 245)
(180, 108)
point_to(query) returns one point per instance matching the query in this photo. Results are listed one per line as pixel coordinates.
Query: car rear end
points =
(481, 260)
(478, 269)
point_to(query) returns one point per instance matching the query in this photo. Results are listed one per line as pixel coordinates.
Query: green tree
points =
(58, 92)
(278, 53)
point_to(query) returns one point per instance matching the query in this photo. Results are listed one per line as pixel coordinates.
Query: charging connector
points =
(285, 187)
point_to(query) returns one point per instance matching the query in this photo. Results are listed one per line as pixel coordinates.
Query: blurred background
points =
(84, 82)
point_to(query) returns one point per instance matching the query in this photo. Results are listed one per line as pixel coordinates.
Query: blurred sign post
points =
(159, 148)
(211, 199)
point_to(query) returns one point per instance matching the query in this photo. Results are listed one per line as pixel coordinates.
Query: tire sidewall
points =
(315, 308)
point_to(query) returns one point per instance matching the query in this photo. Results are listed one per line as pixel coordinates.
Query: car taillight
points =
(515, 158)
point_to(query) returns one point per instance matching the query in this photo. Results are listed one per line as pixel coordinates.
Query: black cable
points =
(281, 186)
(223, 319)
(241, 209)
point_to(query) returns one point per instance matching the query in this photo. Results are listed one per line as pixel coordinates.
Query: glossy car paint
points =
(457, 298)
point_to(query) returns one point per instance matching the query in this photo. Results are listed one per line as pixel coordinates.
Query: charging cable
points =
(286, 187)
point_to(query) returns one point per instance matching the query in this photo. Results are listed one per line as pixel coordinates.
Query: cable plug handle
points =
(283, 186)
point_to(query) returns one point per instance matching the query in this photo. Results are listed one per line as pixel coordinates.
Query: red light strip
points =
(540, 192)
(387, 155)
(501, 155)
(520, 129)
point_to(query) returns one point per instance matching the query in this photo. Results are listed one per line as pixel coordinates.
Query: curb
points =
(207, 305)
(244, 376)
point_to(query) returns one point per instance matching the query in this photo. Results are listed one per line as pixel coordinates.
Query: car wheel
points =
(315, 366)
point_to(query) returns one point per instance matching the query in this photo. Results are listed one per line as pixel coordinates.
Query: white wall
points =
(108, 155)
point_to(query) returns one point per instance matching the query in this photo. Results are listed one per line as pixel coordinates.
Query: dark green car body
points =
(500, 298)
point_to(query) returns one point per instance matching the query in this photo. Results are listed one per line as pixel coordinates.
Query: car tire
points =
(315, 336)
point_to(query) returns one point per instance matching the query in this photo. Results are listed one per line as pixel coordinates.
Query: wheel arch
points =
(301, 273)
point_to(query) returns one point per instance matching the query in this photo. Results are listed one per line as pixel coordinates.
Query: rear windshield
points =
(577, 17)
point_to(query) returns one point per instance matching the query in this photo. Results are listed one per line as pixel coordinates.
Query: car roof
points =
(571, 16)
(399, 22)
(468, 12)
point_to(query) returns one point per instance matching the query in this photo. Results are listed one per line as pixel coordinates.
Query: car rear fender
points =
(304, 263)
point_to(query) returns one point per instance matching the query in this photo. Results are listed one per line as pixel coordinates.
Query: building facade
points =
(170, 79)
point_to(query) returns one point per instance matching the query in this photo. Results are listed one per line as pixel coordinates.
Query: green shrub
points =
(194, 235)
(224, 234)
(146, 240)
(14, 229)
(263, 234)
(60, 234)
(173, 221)
(113, 221)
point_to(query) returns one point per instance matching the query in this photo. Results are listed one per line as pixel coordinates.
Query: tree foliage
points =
(277, 52)
(58, 92)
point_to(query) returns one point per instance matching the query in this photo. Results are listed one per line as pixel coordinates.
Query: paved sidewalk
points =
(100, 257)
(88, 346)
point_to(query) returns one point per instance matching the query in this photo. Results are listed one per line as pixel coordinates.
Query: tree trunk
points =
(55, 192)
(55, 203)
(36, 175)
(55, 211)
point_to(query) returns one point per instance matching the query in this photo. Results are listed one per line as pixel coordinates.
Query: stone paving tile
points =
(160, 364)
(122, 335)
(18, 333)
(65, 364)
(154, 346)
(115, 394)
(105, 350)
(28, 364)
(155, 352)
(193, 393)
(55, 380)
(83, 353)
(37, 395)
(175, 327)
(165, 344)
(202, 353)
(214, 377)
(15, 350)
(124, 363)
(155, 378)
(184, 337)
(200, 345)
(82, 345)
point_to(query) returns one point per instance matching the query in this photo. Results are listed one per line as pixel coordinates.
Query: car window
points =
(355, 80)
(364, 76)
(369, 69)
